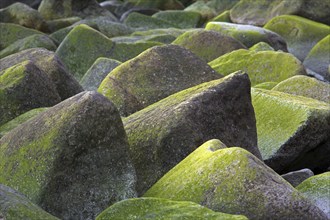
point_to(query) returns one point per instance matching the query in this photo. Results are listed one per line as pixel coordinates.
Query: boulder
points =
(160, 4)
(233, 181)
(57, 24)
(223, 17)
(153, 75)
(261, 46)
(181, 19)
(163, 134)
(145, 22)
(72, 159)
(266, 85)
(32, 3)
(297, 177)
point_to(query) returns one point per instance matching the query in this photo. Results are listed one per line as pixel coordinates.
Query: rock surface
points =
(297, 177)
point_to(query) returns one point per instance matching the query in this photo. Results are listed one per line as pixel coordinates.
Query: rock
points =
(158, 208)
(207, 45)
(316, 188)
(305, 86)
(248, 35)
(57, 24)
(14, 205)
(292, 131)
(297, 177)
(265, 85)
(32, 41)
(202, 7)
(261, 46)
(300, 33)
(163, 134)
(145, 22)
(318, 58)
(98, 71)
(223, 17)
(49, 63)
(262, 66)
(72, 159)
(144, 11)
(181, 19)
(156, 38)
(233, 181)
(22, 14)
(24, 87)
(153, 75)
(160, 4)
(32, 3)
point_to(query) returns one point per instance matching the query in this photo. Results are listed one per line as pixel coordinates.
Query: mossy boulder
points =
(98, 71)
(57, 24)
(233, 181)
(32, 41)
(160, 4)
(316, 189)
(262, 66)
(24, 87)
(162, 209)
(292, 131)
(72, 159)
(305, 86)
(297, 177)
(48, 62)
(163, 134)
(145, 22)
(261, 46)
(176, 32)
(248, 35)
(156, 38)
(182, 19)
(318, 58)
(266, 85)
(153, 75)
(223, 17)
(14, 205)
(208, 45)
(300, 33)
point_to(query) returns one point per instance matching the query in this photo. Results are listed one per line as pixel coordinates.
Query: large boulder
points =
(160, 4)
(163, 134)
(154, 74)
(145, 22)
(72, 159)
(292, 131)
(181, 19)
(232, 180)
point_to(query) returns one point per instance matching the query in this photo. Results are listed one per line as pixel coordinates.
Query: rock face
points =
(300, 33)
(14, 205)
(233, 181)
(207, 45)
(153, 75)
(292, 131)
(297, 177)
(49, 63)
(163, 134)
(158, 208)
(262, 66)
(71, 159)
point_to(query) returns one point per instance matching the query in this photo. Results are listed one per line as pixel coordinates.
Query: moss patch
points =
(181, 19)
(261, 46)
(144, 22)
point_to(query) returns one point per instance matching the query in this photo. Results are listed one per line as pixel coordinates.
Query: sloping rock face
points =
(163, 134)
(71, 159)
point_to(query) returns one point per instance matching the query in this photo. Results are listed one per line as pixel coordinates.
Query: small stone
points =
(297, 177)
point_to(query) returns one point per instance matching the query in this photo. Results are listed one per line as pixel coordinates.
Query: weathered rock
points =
(159, 38)
(300, 33)
(223, 17)
(292, 131)
(154, 75)
(171, 31)
(305, 86)
(145, 22)
(144, 11)
(71, 159)
(201, 7)
(163, 134)
(266, 85)
(160, 4)
(233, 181)
(48, 62)
(31, 3)
(158, 208)
(207, 45)
(14, 205)
(98, 71)
(316, 188)
(262, 66)
(181, 19)
(297, 177)
(57, 24)
(24, 87)
(261, 46)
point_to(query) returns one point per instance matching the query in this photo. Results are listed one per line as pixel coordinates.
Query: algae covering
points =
(162, 209)
(232, 180)
(144, 22)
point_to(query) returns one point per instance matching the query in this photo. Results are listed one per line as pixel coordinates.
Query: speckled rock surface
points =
(297, 177)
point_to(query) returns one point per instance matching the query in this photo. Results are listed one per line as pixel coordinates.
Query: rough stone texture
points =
(57, 24)
(160, 4)
(163, 134)
(297, 177)
(233, 181)
(145, 22)
(300, 33)
(153, 75)
(262, 66)
(248, 35)
(318, 59)
(162, 209)
(181, 19)
(24, 87)
(208, 45)
(261, 46)
(292, 131)
(48, 62)
(31, 3)
(266, 85)
(223, 17)
(159, 38)
(316, 188)
(14, 205)
(305, 86)
(71, 159)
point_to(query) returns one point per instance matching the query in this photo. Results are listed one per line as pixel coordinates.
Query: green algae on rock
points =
(261, 46)
(292, 130)
(160, 4)
(145, 22)
(72, 159)
(223, 17)
(181, 19)
(266, 85)
(162, 209)
(14, 206)
(262, 66)
(57, 24)
(163, 134)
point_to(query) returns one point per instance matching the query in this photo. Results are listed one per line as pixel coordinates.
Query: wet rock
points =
(181, 19)
(297, 177)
